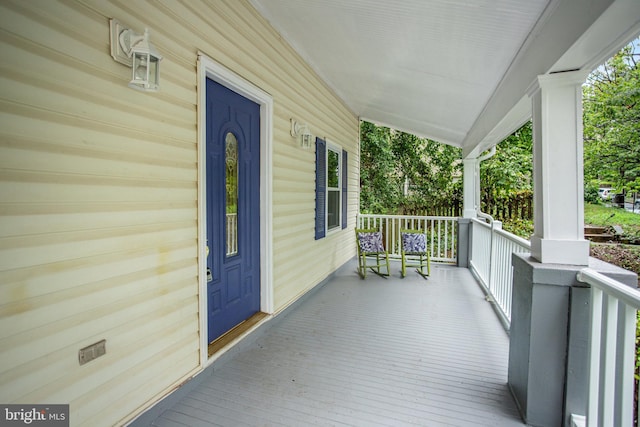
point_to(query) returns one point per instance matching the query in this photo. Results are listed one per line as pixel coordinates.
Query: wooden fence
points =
(518, 205)
(514, 206)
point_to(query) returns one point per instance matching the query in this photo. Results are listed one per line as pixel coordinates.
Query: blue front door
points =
(233, 209)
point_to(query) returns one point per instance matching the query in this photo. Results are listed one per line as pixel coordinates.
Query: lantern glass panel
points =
(154, 71)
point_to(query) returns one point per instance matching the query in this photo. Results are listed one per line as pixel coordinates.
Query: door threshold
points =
(234, 333)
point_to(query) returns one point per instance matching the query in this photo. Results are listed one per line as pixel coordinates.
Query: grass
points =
(625, 256)
(605, 216)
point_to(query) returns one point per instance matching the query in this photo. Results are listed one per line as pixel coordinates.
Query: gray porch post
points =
(550, 338)
(464, 242)
(547, 356)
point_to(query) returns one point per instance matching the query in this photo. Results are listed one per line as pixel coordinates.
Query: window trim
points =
(330, 146)
(322, 147)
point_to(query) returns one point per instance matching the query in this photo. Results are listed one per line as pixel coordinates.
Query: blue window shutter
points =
(321, 186)
(344, 189)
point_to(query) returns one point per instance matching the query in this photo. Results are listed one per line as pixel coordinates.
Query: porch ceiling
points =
(453, 71)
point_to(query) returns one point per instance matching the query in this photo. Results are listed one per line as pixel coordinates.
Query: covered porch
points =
(104, 216)
(363, 352)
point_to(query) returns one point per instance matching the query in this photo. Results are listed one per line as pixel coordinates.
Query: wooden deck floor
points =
(368, 352)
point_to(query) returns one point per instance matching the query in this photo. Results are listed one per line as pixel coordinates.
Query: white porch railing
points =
(490, 262)
(611, 354)
(442, 232)
(613, 305)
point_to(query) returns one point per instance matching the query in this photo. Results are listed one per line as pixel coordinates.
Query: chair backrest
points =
(369, 240)
(414, 241)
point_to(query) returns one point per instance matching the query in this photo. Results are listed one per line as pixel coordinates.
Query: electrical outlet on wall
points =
(91, 352)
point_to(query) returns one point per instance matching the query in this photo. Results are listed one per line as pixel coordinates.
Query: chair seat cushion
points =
(370, 242)
(414, 242)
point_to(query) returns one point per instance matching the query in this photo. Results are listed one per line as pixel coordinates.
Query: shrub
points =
(591, 194)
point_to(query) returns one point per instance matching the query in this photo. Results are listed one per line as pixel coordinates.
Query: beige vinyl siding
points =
(98, 195)
(98, 223)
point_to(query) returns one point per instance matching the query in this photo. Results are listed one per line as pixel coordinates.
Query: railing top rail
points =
(503, 233)
(409, 216)
(611, 286)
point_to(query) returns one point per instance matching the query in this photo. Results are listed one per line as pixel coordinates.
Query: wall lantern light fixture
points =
(301, 132)
(135, 50)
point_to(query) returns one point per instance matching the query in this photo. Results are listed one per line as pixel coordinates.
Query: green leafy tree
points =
(402, 173)
(392, 160)
(510, 170)
(611, 103)
(506, 182)
(380, 184)
(432, 171)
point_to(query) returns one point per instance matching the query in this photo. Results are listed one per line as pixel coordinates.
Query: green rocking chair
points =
(371, 253)
(415, 252)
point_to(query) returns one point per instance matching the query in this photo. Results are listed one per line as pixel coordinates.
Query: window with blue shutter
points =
(331, 188)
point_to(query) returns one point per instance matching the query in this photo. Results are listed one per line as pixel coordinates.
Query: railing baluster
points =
(438, 233)
(594, 357)
(393, 235)
(496, 271)
(608, 367)
(624, 389)
(446, 234)
(453, 236)
(439, 251)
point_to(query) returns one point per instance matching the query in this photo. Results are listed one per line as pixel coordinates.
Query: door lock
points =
(209, 275)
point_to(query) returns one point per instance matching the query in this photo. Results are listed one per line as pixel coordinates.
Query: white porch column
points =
(558, 169)
(470, 187)
(470, 191)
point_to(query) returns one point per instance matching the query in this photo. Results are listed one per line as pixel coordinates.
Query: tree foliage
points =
(402, 173)
(611, 103)
(429, 169)
(380, 188)
(510, 170)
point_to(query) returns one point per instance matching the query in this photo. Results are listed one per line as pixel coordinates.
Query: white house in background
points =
(113, 202)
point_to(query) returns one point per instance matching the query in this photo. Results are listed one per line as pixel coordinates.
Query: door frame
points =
(210, 69)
